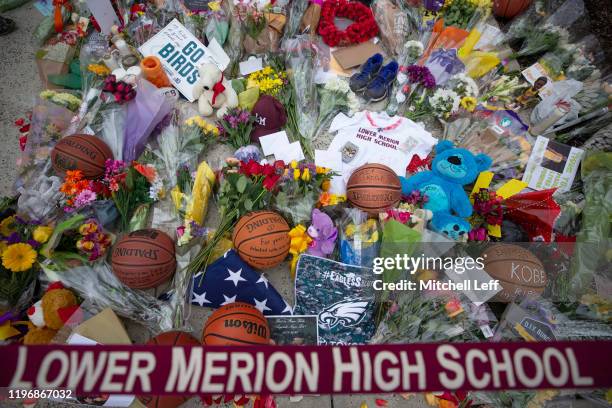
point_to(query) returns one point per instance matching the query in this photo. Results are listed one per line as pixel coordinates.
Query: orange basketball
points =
(373, 188)
(81, 152)
(509, 8)
(144, 259)
(520, 273)
(236, 324)
(171, 338)
(261, 239)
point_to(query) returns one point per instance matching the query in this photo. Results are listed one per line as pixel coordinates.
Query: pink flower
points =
(84, 197)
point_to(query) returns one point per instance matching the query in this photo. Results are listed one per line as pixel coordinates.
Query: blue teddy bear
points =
(451, 169)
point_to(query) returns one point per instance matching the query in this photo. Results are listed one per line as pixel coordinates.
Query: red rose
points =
(252, 168)
(270, 181)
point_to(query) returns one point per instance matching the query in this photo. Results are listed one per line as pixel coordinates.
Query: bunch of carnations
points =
(20, 244)
(245, 187)
(416, 89)
(79, 192)
(131, 186)
(122, 91)
(235, 127)
(488, 212)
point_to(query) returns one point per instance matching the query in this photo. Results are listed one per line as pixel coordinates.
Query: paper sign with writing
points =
(104, 13)
(181, 53)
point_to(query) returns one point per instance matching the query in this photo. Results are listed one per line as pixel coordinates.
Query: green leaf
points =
(248, 204)
(241, 184)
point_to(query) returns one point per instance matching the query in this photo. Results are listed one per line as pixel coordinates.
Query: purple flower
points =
(33, 243)
(14, 238)
(433, 5)
(244, 116)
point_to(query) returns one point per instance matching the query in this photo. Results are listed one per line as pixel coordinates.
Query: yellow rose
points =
(42, 233)
(294, 164)
(306, 175)
(296, 174)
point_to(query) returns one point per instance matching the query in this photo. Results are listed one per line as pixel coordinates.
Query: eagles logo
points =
(346, 313)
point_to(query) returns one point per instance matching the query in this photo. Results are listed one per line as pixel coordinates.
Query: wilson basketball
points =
(171, 338)
(261, 239)
(509, 8)
(81, 152)
(373, 188)
(520, 273)
(236, 324)
(144, 259)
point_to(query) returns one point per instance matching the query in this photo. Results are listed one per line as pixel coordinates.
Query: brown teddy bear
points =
(49, 314)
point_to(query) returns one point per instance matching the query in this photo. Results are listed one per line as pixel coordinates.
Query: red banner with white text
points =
(307, 370)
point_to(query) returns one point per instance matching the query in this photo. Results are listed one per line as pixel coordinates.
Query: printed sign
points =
(294, 330)
(181, 53)
(552, 165)
(197, 370)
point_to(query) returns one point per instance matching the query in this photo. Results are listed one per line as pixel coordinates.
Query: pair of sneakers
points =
(374, 80)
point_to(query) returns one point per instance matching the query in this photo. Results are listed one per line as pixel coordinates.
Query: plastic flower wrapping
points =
(343, 135)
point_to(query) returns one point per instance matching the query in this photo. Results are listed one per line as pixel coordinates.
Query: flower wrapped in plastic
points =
(100, 286)
(51, 118)
(359, 238)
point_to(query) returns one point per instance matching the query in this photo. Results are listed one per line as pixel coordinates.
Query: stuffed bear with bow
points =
(214, 91)
(451, 170)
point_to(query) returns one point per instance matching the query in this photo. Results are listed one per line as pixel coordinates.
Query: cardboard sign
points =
(355, 55)
(552, 165)
(181, 53)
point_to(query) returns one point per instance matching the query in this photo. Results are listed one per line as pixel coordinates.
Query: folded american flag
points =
(229, 279)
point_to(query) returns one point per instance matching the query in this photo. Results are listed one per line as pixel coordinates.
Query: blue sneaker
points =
(380, 86)
(360, 81)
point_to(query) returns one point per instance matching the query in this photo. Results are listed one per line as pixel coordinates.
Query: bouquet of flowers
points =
(336, 96)
(502, 89)
(235, 127)
(80, 192)
(300, 188)
(20, 249)
(133, 188)
(246, 186)
(269, 80)
(488, 212)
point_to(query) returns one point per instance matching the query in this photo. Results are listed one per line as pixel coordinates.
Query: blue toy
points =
(451, 169)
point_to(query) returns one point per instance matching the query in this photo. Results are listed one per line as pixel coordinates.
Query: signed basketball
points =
(373, 188)
(261, 239)
(81, 152)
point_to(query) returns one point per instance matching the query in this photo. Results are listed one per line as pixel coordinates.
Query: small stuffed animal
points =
(451, 169)
(49, 314)
(214, 91)
(323, 233)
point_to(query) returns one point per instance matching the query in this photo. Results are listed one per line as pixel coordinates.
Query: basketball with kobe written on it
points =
(81, 152)
(171, 338)
(236, 324)
(520, 273)
(261, 238)
(373, 188)
(144, 259)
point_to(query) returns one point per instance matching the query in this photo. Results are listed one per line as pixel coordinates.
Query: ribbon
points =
(218, 88)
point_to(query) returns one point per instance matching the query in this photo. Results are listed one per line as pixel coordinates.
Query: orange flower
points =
(73, 176)
(147, 171)
(325, 185)
(325, 199)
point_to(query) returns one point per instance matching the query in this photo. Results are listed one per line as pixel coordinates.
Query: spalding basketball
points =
(81, 152)
(236, 324)
(171, 338)
(373, 188)
(144, 259)
(261, 239)
(509, 8)
(520, 273)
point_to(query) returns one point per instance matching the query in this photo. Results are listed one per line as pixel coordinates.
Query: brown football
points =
(520, 273)
(144, 258)
(373, 188)
(261, 239)
(81, 152)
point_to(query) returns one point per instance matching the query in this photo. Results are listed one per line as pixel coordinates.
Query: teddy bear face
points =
(458, 165)
(209, 76)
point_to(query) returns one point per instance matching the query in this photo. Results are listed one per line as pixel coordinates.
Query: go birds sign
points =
(307, 370)
(181, 53)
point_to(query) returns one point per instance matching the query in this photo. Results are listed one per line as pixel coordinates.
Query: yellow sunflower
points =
(469, 103)
(7, 226)
(18, 257)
